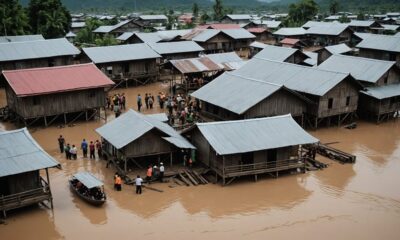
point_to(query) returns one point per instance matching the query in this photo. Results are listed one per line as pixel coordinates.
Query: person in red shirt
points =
(91, 150)
(149, 174)
(98, 147)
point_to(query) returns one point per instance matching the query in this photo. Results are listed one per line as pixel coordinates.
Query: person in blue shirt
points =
(139, 102)
(84, 146)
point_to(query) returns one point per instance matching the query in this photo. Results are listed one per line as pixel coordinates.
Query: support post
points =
(223, 170)
(170, 159)
(65, 119)
(86, 115)
(45, 121)
(126, 165)
(48, 183)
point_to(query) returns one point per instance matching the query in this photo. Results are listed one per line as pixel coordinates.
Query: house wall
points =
(36, 63)
(202, 146)
(339, 94)
(370, 106)
(19, 183)
(150, 143)
(57, 103)
(176, 56)
(379, 54)
(132, 69)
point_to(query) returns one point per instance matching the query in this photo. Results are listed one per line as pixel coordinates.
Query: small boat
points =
(88, 187)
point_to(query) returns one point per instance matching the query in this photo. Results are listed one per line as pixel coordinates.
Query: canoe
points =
(89, 181)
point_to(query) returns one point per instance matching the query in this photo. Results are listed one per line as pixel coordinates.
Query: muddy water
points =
(360, 201)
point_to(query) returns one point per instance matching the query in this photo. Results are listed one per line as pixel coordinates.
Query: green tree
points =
(301, 12)
(86, 34)
(344, 19)
(334, 7)
(13, 18)
(49, 17)
(218, 10)
(204, 18)
(195, 10)
(360, 16)
(107, 40)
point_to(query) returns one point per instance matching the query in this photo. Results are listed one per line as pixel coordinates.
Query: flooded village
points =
(241, 128)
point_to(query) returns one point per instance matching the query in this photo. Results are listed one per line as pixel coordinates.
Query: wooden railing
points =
(263, 167)
(25, 198)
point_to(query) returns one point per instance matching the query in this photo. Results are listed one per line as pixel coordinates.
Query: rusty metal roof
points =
(194, 65)
(39, 81)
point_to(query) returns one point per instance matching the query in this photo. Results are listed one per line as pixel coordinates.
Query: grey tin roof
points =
(119, 53)
(88, 179)
(78, 24)
(332, 30)
(362, 69)
(228, 91)
(239, 33)
(20, 38)
(152, 37)
(290, 31)
(312, 59)
(176, 47)
(259, 45)
(338, 49)
(14, 51)
(295, 77)
(20, 153)
(269, 24)
(239, 16)
(125, 36)
(224, 57)
(316, 23)
(162, 117)
(153, 17)
(381, 42)
(232, 137)
(383, 92)
(132, 125)
(107, 29)
(276, 53)
(361, 23)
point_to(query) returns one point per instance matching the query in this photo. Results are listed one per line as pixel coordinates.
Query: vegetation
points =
(334, 7)
(301, 12)
(49, 18)
(195, 10)
(14, 20)
(204, 18)
(218, 10)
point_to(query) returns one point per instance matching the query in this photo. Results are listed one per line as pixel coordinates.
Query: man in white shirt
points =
(138, 183)
(162, 169)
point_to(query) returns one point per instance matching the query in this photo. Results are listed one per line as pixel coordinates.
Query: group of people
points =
(148, 101)
(182, 109)
(155, 173)
(71, 151)
(94, 193)
(116, 103)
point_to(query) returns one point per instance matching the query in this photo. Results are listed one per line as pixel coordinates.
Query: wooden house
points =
(236, 18)
(152, 20)
(331, 35)
(116, 30)
(77, 26)
(334, 95)
(37, 53)
(292, 43)
(252, 147)
(177, 50)
(261, 34)
(381, 47)
(124, 63)
(49, 93)
(140, 139)
(296, 32)
(271, 25)
(21, 161)
(326, 52)
(364, 25)
(233, 97)
(374, 102)
(226, 40)
(282, 54)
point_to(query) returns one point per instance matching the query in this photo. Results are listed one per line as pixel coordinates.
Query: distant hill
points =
(237, 5)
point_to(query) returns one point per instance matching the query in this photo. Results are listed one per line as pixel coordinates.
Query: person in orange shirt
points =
(118, 183)
(149, 174)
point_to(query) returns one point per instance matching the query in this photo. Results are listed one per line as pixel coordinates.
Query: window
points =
(110, 70)
(330, 103)
(385, 80)
(36, 101)
(51, 62)
(347, 101)
(392, 57)
(126, 68)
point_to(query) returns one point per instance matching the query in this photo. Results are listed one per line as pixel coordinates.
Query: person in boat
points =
(138, 183)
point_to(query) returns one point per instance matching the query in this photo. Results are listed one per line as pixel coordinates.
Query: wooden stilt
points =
(48, 183)
(65, 119)
(170, 159)
(126, 165)
(45, 121)
(86, 115)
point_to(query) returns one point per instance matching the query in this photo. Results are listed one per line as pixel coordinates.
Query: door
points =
(248, 158)
(271, 158)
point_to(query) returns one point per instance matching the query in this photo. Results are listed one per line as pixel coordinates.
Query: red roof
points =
(39, 81)
(219, 26)
(291, 41)
(257, 30)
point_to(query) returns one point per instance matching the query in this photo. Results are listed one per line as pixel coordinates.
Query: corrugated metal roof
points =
(290, 41)
(20, 153)
(132, 125)
(276, 53)
(259, 45)
(316, 23)
(162, 117)
(176, 47)
(153, 17)
(269, 24)
(70, 35)
(234, 93)
(256, 30)
(125, 36)
(20, 38)
(383, 92)
(333, 17)
(171, 34)
(128, 52)
(332, 30)
(238, 33)
(224, 57)
(239, 16)
(88, 179)
(38, 81)
(152, 37)
(361, 23)
(364, 35)
(338, 49)
(107, 29)
(391, 27)
(14, 51)
(78, 24)
(195, 65)
(290, 31)
(232, 137)
(179, 142)
(312, 59)
(219, 26)
(202, 35)
(362, 69)
(381, 42)
(295, 77)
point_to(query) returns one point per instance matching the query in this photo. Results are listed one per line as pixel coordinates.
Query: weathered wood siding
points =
(296, 58)
(323, 54)
(130, 69)
(279, 103)
(36, 63)
(22, 182)
(150, 143)
(177, 56)
(382, 55)
(203, 147)
(339, 95)
(57, 103)
(370, 106)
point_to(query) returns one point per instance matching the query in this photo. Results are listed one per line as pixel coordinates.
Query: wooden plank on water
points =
(184, 179)
(191, 178)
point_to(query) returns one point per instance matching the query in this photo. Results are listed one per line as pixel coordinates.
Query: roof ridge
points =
(364, 59)
(244, 120)
(38, 40)
(47, 68)
(254, 79)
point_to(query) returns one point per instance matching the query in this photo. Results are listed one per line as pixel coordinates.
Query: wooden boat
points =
(91, 184)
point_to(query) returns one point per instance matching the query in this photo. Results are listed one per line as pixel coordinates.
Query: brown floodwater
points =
(359, 201)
